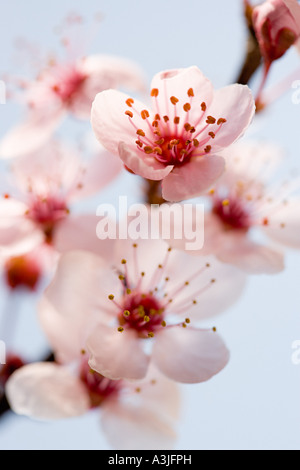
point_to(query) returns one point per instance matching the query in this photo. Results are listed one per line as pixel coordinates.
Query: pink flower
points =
(134, 415)
(142, 306)
(246, 202)
(48, 183)
(277, 27)
(179, 140)
(66, 88)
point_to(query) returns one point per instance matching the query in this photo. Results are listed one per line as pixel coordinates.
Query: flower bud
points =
(277, 27)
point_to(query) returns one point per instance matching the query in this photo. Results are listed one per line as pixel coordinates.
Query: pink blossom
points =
(139, 415)
(177, 141)
(248, 204)
(142, 307)
(277, 27)
(66, 88)
(46, 185)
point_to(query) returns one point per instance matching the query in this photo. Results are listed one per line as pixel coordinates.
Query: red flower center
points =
(143, 313)
(46, 212)
(171, 138)
(232, 213)
(68, 84)
(99, 388)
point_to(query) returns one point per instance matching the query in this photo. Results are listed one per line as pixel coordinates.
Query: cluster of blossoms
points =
(123, 316)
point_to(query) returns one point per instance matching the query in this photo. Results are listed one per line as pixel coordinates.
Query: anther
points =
(221, 121)
(187, 320)
(129, 102)
(163, 323)
(174, 100)
(207, 149)
(196, 142)
(212, 135)
(139, 143)
(120, 329)
(187, 107)
(126, 313)
(151, 334)
(146, 318)
(166, 118)
(160, 141)
(140, 132)
(226, 202)
(154, 92)
(145, 114)
(157, 117)
(203, 106)
(176, 120)
(148, 149)
(214, 329)
(123, 261)
(210, 120)
(190, 92)
(111, 297)
(187, 127)
(129, 113)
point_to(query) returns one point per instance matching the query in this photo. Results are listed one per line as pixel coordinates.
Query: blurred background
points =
(255, 402)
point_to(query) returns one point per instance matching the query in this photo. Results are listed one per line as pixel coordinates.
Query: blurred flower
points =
(139, 415)
(139, 307)
(180, 139)
(62, 88)
(48, 182)
(244, 203)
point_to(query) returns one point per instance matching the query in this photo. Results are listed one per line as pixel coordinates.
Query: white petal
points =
(117, 355)
(189, 355)
(47, 392)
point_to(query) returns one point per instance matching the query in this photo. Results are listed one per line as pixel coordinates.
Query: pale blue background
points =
(255, 402)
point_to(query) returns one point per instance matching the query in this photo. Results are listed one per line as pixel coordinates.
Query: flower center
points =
(141, 312)
(46, 212)
(99, 388)
(232, 213)
(67, 82)
(171, 138)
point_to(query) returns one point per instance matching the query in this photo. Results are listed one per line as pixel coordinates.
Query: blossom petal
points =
(81, 287)
(110, 124)
(189, 355)
(294, 8)
(127, 426)
(67, 336)
(117, 355)
(47, 392)
(193, 178)
(284, 225)
(80, 233)
(31, 134)
(234, 103)
(100, 171)
(177, 83)
(252, 257)
(144, 166)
